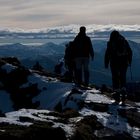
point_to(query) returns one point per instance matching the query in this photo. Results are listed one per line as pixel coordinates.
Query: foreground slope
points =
(44, 107)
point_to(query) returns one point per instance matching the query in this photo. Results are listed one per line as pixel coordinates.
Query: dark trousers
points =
(70, 73)
(118, 76)
(82, 70)
(71, 70)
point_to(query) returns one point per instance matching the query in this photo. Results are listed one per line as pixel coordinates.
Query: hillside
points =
(37, 104)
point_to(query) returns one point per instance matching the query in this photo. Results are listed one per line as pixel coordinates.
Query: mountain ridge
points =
(73, 28)
(68, 31)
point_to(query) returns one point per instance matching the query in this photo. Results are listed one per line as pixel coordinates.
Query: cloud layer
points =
(29, 14)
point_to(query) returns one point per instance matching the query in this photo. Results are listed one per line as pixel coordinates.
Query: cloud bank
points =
(48, 13)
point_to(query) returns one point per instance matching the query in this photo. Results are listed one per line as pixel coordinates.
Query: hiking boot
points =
(115, 103)
(123, 94)
(116, 96)
(122, 103)
(84, 85)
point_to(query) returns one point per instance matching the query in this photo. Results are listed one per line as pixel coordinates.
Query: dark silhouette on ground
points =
(37, 66)
(12, 82)
(58, 69)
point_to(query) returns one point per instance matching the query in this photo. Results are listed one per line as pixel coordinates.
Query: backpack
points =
(69, 52)
(121, 49)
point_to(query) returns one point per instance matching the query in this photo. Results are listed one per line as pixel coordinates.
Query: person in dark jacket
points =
(69, 61)
(83, 52)
(119, 55)
(58, 68)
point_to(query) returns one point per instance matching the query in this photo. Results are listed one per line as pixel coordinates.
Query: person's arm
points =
(91, 49)
(107, 55)
(129, 50)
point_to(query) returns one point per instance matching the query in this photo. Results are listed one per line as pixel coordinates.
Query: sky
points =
(35, 14)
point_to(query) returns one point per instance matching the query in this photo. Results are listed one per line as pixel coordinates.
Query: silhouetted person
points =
(119, 55)
(58, 68)
(37, 66)
(69, 61)
(83, 52)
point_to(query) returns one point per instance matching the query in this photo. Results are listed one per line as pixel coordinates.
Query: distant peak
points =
(74, 28)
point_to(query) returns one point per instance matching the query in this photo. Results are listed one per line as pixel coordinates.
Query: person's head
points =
(83, 29)
(114, 35)
(71, 43)
(67, 45)
(61, 63)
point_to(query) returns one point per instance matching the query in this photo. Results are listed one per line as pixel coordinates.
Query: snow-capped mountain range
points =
(65, 31)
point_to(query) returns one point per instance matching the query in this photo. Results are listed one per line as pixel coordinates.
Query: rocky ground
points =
(81, 114)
